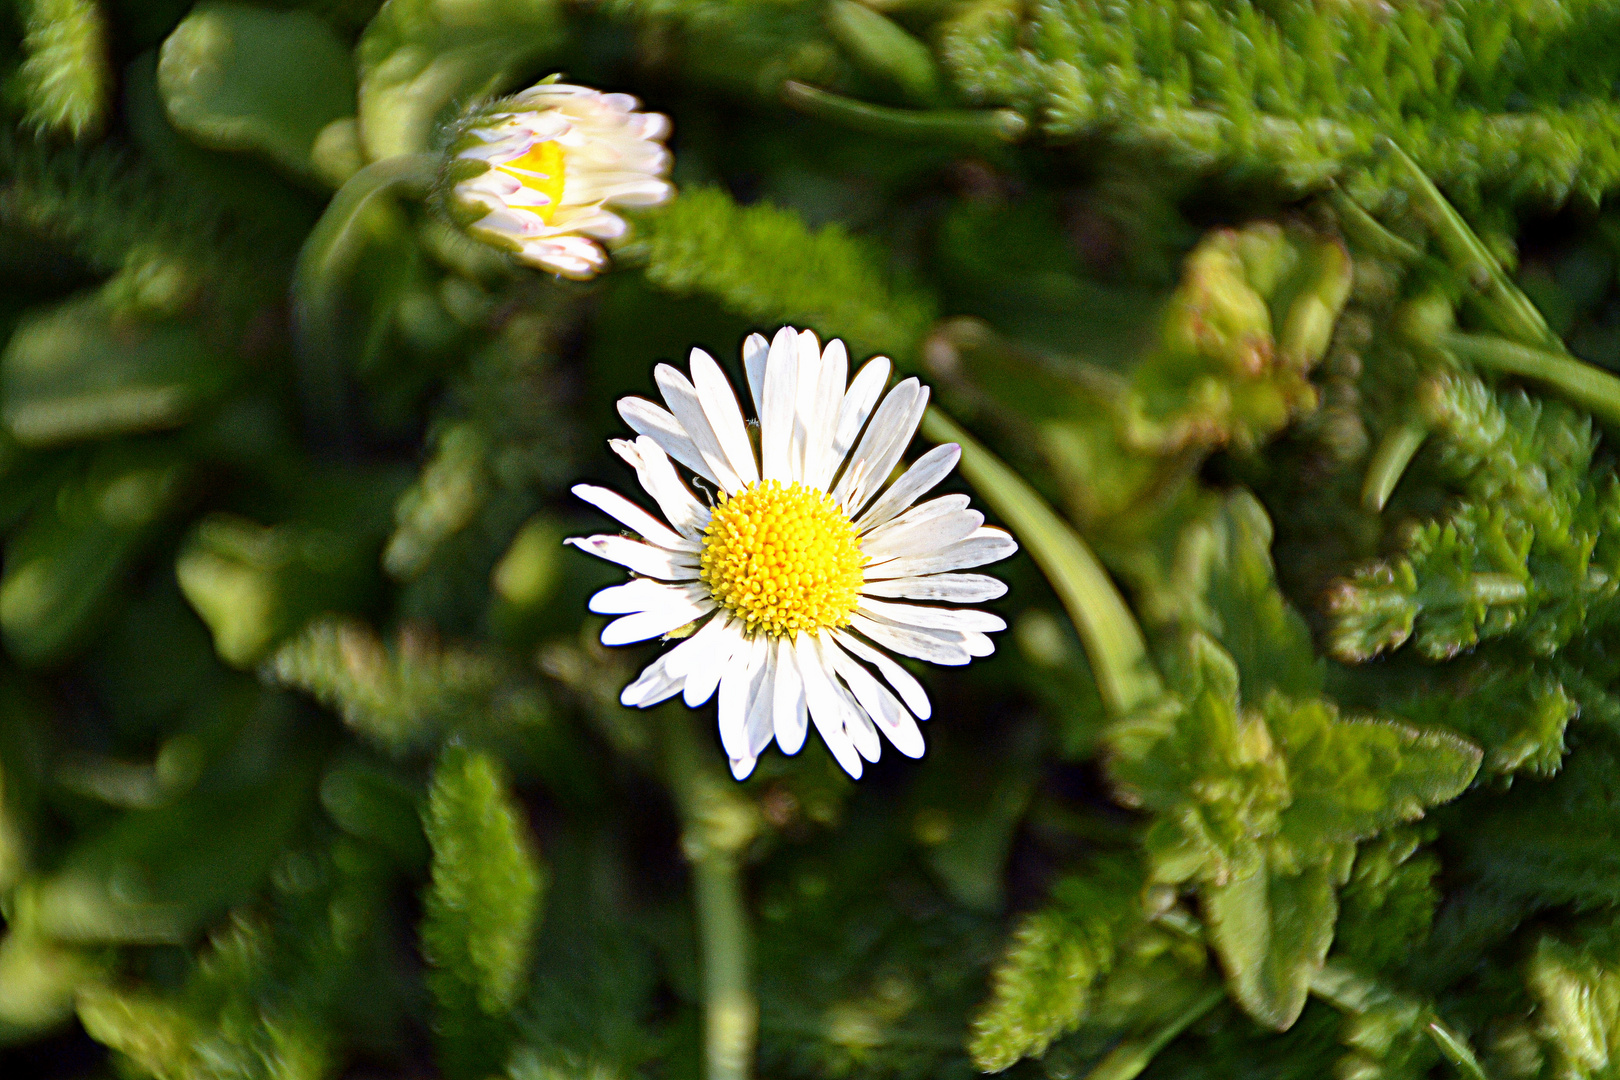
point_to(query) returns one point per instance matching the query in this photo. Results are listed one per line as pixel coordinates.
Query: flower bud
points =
(535, 173)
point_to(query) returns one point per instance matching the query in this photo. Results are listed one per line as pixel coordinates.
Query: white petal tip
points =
(742, 768)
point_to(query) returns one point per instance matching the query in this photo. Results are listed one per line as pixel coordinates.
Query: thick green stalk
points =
(1113, 640)
(1591, 388)
(716, 827)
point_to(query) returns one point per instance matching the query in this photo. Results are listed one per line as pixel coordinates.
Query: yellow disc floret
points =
(783, 558)
(541, 169)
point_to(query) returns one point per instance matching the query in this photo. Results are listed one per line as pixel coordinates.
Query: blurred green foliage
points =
(1299, 315)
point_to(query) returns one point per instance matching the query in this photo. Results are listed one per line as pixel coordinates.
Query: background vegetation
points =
(1282, 331)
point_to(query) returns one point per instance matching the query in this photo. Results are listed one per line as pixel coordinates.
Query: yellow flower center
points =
(540, 169)
(783, 558)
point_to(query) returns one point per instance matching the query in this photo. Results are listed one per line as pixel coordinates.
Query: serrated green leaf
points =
(1042, 987)
(765, 263)
(1350, 779)
(481, 910)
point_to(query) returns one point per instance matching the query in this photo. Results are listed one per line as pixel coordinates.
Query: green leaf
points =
(1351, 779)
(765, 263)
(406, 695)
(360, 221)
(86, 371)
(67, 564)
(481, 910)
(66, 79)
(454, 485)
(255, 586)
(235, 77)
(1042, 988)
(1271, 931)
(420, 59)
(158, 876)
(1388, 904)
(1209, 768)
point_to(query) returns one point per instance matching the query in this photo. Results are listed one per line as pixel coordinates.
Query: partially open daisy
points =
(535, 174)
(786, 582)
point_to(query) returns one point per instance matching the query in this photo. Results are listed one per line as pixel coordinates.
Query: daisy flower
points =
(791, 584)
(536, 173)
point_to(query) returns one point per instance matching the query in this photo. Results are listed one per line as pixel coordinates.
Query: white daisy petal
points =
(859, 400)
(887, 422)
(694, 651)
(905, 684)
(776, 415)
(720, 406)
(933, 508)
(881, 705)
(926, 472)
(977, 644)
(655, 684)
(956, 588)
(742, 768)
(857, 724)
(985, 545)
(683, 401)
(703, 675)
(761, 706)
(925, 535)
(660, 425)
(643, 594)
(789, 712)
(886, 455)
(806, 401)
(736, 688)
(660, 480)
(933, 618)
(754, 352)
(644, 625)
(628, 513)
(826, 710)
(936, 646)
(644, 559)
(819, 462)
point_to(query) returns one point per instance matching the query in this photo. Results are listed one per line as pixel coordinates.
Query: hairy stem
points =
(1114, 644)
(716, 827)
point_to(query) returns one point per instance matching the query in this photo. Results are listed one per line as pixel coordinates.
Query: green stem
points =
(1591, 388)
(1500, 301)
(1453, 1047)
(969, 126)
(1366, 232)
(1113, 640)
(1389, 462)
(1351, 992)
(1127, 1060)
(716, 827)
(326, 263)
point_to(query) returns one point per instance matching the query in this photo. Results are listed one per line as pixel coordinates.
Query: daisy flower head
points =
(795, 581)
(536, 172)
